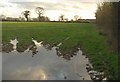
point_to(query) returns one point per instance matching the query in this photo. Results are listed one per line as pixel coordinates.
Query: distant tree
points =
(43, 18)
(61, 17)
(2, 17)
(71, 20)
(21, 18)
(26, 14)
(34, 19)
(79, 19)
(47, 19)
(76, 17)
(66, 19)
(39, 11)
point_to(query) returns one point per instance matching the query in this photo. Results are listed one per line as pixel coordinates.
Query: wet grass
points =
(83, 35)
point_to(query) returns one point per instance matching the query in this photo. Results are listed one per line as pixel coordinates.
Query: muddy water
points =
(45, 65)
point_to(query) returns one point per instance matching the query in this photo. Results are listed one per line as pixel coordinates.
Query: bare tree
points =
(66, 19)
(76, 17)
(61, 17)
(2, 17)
(26, 14)
(39, 11)
(79, 19)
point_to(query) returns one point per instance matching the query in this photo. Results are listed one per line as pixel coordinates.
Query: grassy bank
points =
(83, 35)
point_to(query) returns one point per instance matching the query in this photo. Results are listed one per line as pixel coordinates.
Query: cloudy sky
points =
(53, 8)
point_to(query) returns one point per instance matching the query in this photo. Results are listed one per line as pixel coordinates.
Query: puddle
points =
(45, 65)
(39, 63)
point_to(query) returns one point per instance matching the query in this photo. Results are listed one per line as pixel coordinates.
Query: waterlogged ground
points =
(39, 62)
(66, 37)
(44, 65)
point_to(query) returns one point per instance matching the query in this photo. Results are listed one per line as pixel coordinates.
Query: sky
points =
(53, 8)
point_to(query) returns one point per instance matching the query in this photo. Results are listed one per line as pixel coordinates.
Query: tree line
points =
(39, 11)
(107, 22)
(26, 16)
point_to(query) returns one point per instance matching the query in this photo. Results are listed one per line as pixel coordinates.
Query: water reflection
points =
(14, 43)
(37, 43)
(29, 73)
(45, 65)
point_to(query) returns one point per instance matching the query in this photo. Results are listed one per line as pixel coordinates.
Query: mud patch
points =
(23, 47)
(7, 47)
(95, 75)
(67, 54)
(14, 46)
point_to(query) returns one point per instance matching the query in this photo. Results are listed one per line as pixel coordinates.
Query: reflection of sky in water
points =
(31, 74)
(44, 65)
(14, 42)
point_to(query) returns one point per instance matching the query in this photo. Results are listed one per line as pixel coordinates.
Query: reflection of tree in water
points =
(33, 48)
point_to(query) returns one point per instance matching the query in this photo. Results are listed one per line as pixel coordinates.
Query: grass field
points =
(83, 35)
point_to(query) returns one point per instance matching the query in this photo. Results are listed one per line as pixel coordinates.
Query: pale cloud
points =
(53, 8)
(55, 1)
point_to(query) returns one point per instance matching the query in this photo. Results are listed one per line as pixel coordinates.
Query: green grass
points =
(83, 35)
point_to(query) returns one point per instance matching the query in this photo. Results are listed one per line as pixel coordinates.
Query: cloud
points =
(5, 4)
(67, 7)
(55, 1)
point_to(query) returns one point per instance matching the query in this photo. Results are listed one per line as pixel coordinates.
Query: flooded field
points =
(44, 65)
(59, 50)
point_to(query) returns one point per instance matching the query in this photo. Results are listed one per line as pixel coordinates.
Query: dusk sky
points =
(53, 8)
